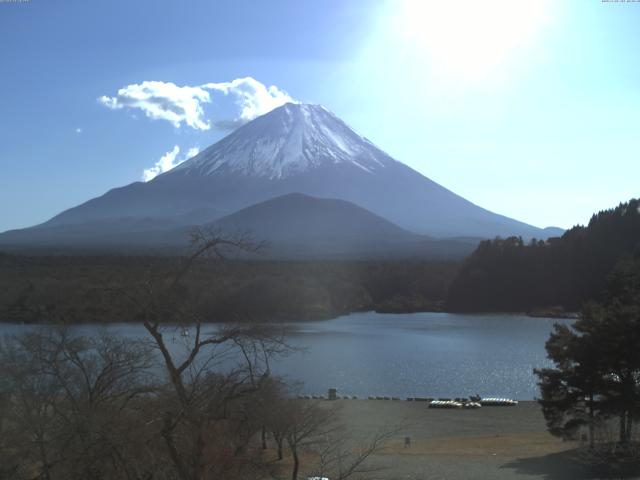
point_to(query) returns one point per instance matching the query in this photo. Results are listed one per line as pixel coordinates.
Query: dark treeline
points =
(43, 289)
(511, 275)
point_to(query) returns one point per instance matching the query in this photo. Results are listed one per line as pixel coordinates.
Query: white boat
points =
(498, 402)
(445, 404)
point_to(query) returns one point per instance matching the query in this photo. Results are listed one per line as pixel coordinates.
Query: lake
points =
(421, 354)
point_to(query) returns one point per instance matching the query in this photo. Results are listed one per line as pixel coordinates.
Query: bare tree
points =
(275, 413)
(69, 402)
(314, 427)
(306, 423)
(214, 369)
(342, 457)
(189, 401)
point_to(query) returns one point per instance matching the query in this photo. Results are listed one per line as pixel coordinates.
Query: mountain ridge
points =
(294, 148)
(293, 226)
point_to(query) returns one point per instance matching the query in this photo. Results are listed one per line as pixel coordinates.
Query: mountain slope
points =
(300, 226)
(298, 217)
(295, 148)
(293, 226)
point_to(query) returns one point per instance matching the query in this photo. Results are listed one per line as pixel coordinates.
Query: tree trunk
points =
(279, 441)
(591, 419)
(623, 427)
(167, 434)
(263, 437)
(296, 463)
(280, 456)
(43, 458)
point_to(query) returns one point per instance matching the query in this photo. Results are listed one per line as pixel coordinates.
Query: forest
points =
(78, 289)
(559, 274)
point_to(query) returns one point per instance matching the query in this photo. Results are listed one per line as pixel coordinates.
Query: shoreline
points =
(543, 315)
(490, 442)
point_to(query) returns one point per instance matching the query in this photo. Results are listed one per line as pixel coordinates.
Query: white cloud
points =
(176, 104)
(192, 152)
(78, 130)
(253, 98)
(163, 101)
(168, 161)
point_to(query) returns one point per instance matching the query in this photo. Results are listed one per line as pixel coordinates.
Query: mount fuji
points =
(296, 148)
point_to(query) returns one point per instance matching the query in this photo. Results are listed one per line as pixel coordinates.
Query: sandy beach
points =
(488, 443)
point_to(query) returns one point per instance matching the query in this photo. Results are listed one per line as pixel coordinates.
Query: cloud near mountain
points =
(163, 101)
(252, 97)
(184, 104)
(168, 161)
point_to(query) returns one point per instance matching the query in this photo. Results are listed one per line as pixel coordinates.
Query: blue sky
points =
(531, 111)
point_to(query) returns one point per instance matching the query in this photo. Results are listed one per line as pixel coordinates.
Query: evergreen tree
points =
(508, 275)
(597, 361)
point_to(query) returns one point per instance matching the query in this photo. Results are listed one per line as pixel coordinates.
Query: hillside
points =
(512, 275)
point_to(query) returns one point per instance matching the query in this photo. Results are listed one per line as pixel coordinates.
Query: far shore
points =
(544, 314)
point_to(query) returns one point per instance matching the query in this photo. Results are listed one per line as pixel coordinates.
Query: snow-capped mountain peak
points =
(291, 139)
(294, 149)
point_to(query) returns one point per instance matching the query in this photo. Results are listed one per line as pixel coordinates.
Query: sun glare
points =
(470, 38)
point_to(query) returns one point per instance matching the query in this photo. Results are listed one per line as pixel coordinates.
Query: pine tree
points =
(597, 361)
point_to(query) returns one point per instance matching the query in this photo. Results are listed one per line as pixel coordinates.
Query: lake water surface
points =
(421, 354)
